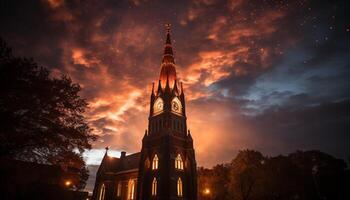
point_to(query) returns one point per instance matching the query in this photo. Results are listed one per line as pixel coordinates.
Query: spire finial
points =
(168, 71)
(168, 40)
(167, 27)
(106, 153)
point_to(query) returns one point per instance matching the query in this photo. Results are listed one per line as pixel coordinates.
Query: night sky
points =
(269, 75)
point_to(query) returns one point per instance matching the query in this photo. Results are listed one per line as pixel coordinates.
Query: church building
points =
(165, 169)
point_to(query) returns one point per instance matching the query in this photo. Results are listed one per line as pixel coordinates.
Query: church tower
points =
(167, 167)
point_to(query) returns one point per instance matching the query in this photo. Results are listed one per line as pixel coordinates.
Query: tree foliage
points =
(300, 175)
(41, 116)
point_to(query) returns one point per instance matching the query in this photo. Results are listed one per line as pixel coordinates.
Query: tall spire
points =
(168, 71)
(168, 55)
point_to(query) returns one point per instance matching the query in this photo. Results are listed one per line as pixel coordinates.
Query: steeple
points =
(168, 71)
(168, 56)
(167, 143)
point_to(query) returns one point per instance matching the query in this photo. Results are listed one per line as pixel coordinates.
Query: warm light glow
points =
(154, 187)
(158, 106)
(131, 189)
(178, 162)
(155, 162)
(176, 105)
(119, 189)
(102, 192)
(206, 191)
(179, 187)
(68, 183)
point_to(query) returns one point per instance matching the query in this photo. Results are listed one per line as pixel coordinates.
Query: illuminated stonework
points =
(166, 167)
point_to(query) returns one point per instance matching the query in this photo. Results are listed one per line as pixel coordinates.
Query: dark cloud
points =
(324, 126)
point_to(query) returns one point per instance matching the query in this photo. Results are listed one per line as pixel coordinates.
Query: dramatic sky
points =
(270, 75)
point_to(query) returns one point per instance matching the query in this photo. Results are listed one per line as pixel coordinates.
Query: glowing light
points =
(206, 191)
(68, 183)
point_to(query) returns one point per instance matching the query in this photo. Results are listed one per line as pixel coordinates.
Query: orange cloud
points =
(116, 61)
(55, 3)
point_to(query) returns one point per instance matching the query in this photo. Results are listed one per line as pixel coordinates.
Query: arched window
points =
(155, 162)
(179, 187)
(119, 189)
(102, 192)
(147, 163)
(131, 189)
(178, 162)
(154, 187)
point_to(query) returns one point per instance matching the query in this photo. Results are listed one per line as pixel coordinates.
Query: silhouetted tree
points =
(245, 174)
(205, 181)
(221, 182)
(322, 175)
(41, 116)
(300, 175)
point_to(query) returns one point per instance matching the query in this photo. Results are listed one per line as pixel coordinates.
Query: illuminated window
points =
(155, 162)
(179, 187)
(178, 162)
(119, 189)
(154, 187)
(131, 189)
(102, 192)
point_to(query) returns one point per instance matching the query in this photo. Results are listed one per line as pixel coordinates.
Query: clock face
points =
(176, 105)
(158, 105)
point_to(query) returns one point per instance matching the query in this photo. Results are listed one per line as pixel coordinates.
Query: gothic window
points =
(178, 162)
(179, 187)
(154, 187)
(155, 162)
(131, 189)
(102, 192)
(147, 163)
(119, 189)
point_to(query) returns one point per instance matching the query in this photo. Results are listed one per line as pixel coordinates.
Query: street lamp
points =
(68, 183)
(206, 191)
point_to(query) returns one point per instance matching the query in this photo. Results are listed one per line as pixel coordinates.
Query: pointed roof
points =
(120, 165)
(168, 71)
